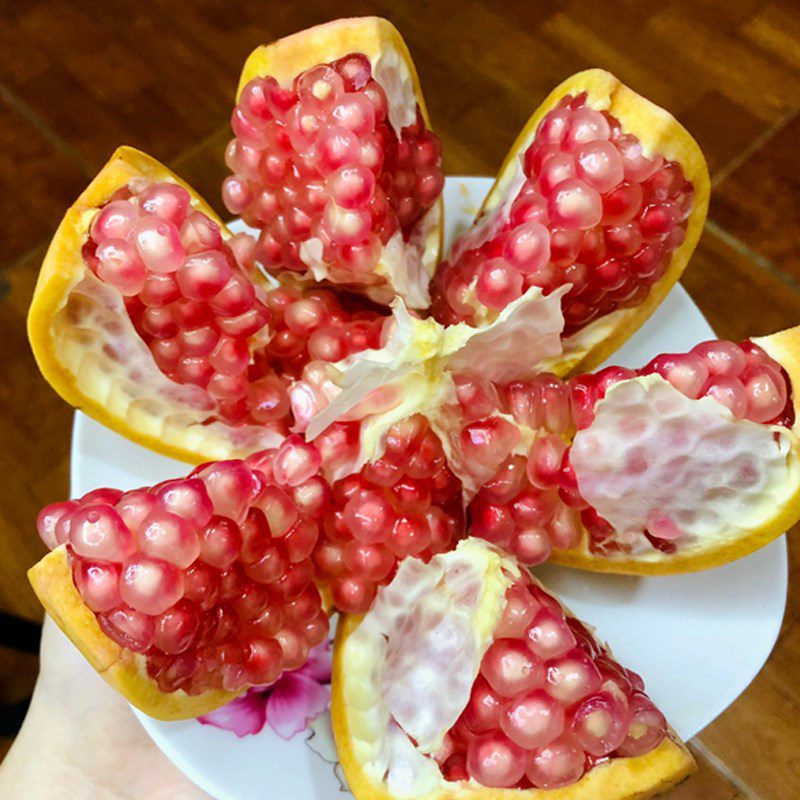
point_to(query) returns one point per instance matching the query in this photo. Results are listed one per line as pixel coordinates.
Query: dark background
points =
(79, 78)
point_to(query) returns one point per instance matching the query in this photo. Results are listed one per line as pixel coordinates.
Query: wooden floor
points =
(78, 79)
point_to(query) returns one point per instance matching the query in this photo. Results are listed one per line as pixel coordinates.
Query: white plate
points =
(698, 640)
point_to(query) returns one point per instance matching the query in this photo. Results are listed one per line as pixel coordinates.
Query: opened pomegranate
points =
(208, 577)
(549, 703)
(534, 501)
(336, 164)
(533, 700)
(192, 298)
(590, 209)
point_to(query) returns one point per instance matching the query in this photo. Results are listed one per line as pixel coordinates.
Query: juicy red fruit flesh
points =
(547, 706)
(407, 503)
(593, 211)
(194, 299)
(532, 503)
(320, 162)
(208, 577)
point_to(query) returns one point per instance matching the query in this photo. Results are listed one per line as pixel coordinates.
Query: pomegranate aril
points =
(263, 661)
(114, 221)
(548, 635)
(493, 760)
(559, 763)
(98, 532)
(510, 668)
(150, 585)
(572, 677)
(129, 628)
(646, 729)
(159, 244)
(600, 723)
(220, 542)
(177, 628)
(532, 720)
(484, 709)
(98, 584)
(352, 595)
(765, 391)
(48, 519)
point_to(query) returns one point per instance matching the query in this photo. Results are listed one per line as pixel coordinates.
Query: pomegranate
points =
(534, 503)
(548, 707)
(208, 578)
(335, 163)
(587, 199)
(191, 297)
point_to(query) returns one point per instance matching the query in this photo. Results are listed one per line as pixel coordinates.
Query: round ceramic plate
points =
(698, 640)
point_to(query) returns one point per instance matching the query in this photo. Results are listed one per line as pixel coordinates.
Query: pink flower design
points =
(287, 706)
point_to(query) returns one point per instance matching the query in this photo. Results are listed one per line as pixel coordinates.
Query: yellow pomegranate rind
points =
(784, 347)
(620, 779)
(122, 669)
(71, 356)
(660, 133)
(323, 44)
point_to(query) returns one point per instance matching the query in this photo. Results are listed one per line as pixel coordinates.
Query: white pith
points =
(420, 358)
(392, 682)
(651, 452)
(95, 340)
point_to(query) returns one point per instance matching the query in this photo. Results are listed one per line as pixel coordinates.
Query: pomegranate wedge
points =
(533, 701)
(183, 594)
(690, 462)
(604, 193)
(146, 316)
(334, 161)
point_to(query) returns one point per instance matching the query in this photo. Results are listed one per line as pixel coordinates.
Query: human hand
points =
(81, 741)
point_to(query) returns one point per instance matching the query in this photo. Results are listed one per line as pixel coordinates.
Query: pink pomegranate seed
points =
(510, 668)
(202, 275)
(531, 546)
(169, 537)
(559, 763)
(549, 636)
(296, 461)
(686, 372)
(544, 460)
(129, 628)
(98, 532)
(352, 595)
(646, 730)
(368, 516)
(177, 628)
(730, 392)
(114, 221)
(599, 164)
(98, 584)
(188, 499)
(150, 585)
(722, 357)
(484, 709)
(48, 519)
(159, 244)
(600, 723)
(491, 522)
(231, 487)
(199, 233)
(765, 391)
(493, 760)
(120, 266)
(533, 719)
(166, 200)
(220, 542)
(572, 677)
(498, 284)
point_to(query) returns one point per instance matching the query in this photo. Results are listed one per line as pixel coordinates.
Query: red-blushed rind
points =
(660, 133)
(784, 347)
(637, 778)
(122, 669)
(286, 58)
(87, 389)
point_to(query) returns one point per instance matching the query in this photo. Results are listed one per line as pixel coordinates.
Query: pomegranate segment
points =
(532, 504)
(208, 577)
(542, 719)
(321, 171)
(195, 301)
(407, 503)
(590, 209)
